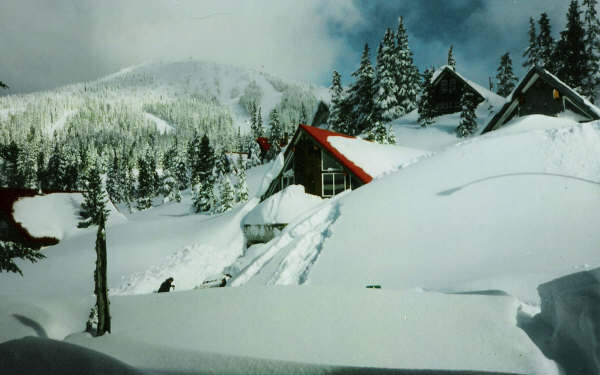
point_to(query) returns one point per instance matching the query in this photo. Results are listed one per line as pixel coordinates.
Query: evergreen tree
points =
(100, 279)
(545, 44)
(26, 167)
(531, 54)
(197, 197)
(386, 107)
(259, 123)
(571, 50)
(336, 116)
(468, 123)
(9, 251)
(10, 154)
(114, 180)
(193, 157)
(93, 207)
(170, 188)
(254, 154)
(275, 135)
(407, 74)
(425, 108)
(145, 186)
(129, 190)
(592, 45)
(506, 78)
(206, 166)
(361, 96)
(241, 187)
(451, 60)
(206, 197)
(223, 164)
(41, 171)
(380, 134)
(226, 195)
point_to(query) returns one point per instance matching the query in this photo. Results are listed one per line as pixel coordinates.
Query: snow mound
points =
(282, 207)
(33, 214)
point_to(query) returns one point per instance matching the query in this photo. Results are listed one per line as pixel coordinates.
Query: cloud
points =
(46, 44)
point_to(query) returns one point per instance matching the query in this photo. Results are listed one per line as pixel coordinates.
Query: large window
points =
(329, 163)
(333, 183)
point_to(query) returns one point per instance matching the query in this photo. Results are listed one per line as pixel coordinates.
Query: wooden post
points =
(100, 287)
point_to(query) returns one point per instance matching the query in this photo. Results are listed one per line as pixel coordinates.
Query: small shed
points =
(540, 92)
(449, 86)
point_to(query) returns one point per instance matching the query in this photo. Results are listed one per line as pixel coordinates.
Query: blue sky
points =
(46, 44)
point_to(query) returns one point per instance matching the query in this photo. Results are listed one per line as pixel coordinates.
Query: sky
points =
(46, 44)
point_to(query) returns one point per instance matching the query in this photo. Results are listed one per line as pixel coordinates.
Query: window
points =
(328, 163)
(333, 183)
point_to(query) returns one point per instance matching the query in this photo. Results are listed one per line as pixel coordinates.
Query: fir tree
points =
(275, 135)
(468, 123)
(259, 123)
(545, 44)
(226, 195)
(380, 134)
(170, 188)
(206, 161)
(451, 60)
(26, 167)
(254, 154)
(592, 45)
(223, 164)
(241, 187)
(9, 251)
(570, 50)
(386, 106)
(531, 54)
(93, 207)
(425, 108)
(114, 180)
(506, 78)
(407, 74)
(197, 197)
(206, 197)
(336, 116)
(361, 95)
(145, 186)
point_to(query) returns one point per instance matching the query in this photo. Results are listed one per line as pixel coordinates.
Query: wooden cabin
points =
(448, 88)
(10, 230)
(310, 160)
(540, 92)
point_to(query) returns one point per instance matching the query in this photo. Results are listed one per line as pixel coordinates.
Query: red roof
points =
(320, 136)
(264, 144)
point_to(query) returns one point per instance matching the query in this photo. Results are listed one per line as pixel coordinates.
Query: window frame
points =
(333, 185)
(323, 153)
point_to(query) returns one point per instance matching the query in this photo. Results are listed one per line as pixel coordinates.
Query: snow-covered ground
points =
(505, 212)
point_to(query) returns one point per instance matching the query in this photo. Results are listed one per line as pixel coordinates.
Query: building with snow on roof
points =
(540, 92)
(324, 163)
(449, 86)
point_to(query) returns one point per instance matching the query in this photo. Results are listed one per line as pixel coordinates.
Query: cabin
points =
(540, 92)
(10, 230)
(448, 88)
(310, 160)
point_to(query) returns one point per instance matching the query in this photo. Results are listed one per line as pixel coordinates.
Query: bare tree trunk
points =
(100, 288)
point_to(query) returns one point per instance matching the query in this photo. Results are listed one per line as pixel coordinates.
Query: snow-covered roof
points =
(366, 160)
(490, 96)
(503, 115)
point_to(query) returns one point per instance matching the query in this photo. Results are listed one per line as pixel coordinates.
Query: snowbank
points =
(282, 207)
(374, 158)
(55, 215)
(171, 332)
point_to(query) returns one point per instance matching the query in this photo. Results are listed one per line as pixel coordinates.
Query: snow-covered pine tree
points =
(451, 60)
(381, 134)
(223, 164)
(531, 54)
(241, 187)
(360, 96)
(254, 154)
(207, 197)
(259, 123)
(275, 134)
(336, 115)
(129, 192)
(546, 44)
(114, 180)
(93, 208)
(592, 45)
(169, 188)
(407, 74)
(9, 154)
(571, 50)
(145, 185)
(193, 157)
(26, 167)
(226, 195)
(197, 189)
(506, 78)
(386, 107)
(425, 107)
(468, 123)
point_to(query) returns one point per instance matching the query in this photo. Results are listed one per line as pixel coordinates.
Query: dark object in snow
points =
(542, 93)
(166, 286)
(215, 283)
(376, 286)
(447, 89)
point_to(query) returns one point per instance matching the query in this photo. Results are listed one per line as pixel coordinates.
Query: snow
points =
(375, 159)
(282, 207)
(61, 122)
(311, 326)
(33, 213)
(161, 125)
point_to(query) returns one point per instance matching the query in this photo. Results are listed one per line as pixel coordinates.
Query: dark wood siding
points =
(307, 165)
(538, 99)
(447, 93)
